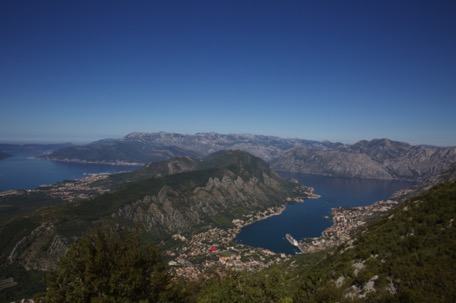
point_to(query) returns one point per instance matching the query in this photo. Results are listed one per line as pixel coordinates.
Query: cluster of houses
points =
(217, 248)
(80, 189)
(345, 222)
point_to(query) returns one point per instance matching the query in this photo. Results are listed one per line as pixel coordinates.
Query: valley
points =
(196, 207)
(223, 187)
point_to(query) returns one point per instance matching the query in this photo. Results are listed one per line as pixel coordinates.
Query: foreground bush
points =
(110, 264)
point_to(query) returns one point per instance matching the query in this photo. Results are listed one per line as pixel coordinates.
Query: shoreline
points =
(346, 221)
(112, 163)
(258, 216)
(218, 247)
(300, 190)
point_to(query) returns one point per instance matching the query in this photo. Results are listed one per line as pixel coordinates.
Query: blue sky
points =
(78, 71)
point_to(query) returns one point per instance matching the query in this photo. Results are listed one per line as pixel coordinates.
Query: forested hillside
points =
(408, 255)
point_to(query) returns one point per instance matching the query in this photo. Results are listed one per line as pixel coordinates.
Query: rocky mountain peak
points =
(377, 159)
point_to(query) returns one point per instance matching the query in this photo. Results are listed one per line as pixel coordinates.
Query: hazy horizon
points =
(317, 70)
(37, 141)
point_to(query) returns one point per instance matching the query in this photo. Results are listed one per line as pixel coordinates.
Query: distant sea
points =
(307, 219)
(23, 171)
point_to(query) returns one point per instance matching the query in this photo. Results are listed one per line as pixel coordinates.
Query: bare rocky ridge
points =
(39, 249)
(148, 147)
(377, 159)
(165, 198)
(240, 182)
(159, 214)
(331, 163)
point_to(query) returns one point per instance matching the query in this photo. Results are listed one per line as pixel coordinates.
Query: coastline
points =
(277, 210)
(219, 249)
(113, 163)
(258, 216)
(345, 222)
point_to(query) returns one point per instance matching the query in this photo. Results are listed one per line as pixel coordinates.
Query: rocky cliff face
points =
(165, 198)
(39, 249)
(236, 182)
(174, 210)
(331, 163)
(379, 159)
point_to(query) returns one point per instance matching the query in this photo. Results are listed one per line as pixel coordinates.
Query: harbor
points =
(346, 221)
(293, 241)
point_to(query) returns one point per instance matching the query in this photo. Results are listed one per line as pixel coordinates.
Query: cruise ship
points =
(291, 240)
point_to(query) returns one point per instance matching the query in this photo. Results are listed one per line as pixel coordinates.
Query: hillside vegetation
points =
(179, 196)
(408, 255)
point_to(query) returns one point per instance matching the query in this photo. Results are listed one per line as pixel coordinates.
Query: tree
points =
(110, 264)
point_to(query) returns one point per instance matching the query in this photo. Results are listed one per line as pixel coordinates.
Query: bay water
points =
(24, 171)
(310, 218)
(307, 219)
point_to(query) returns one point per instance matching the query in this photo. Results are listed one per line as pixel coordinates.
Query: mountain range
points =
(376, 159)
(148, 147)
(389, 260)
(180, 195)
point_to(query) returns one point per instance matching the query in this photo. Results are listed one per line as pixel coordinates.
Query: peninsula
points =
(345, 222)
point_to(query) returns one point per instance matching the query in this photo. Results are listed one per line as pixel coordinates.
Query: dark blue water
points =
(307, 219)
(24, 172)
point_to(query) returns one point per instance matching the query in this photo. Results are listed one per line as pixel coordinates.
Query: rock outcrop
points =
(40, 249)
(165, 198)
(174, 210)
(148, 147)
(377, 159)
